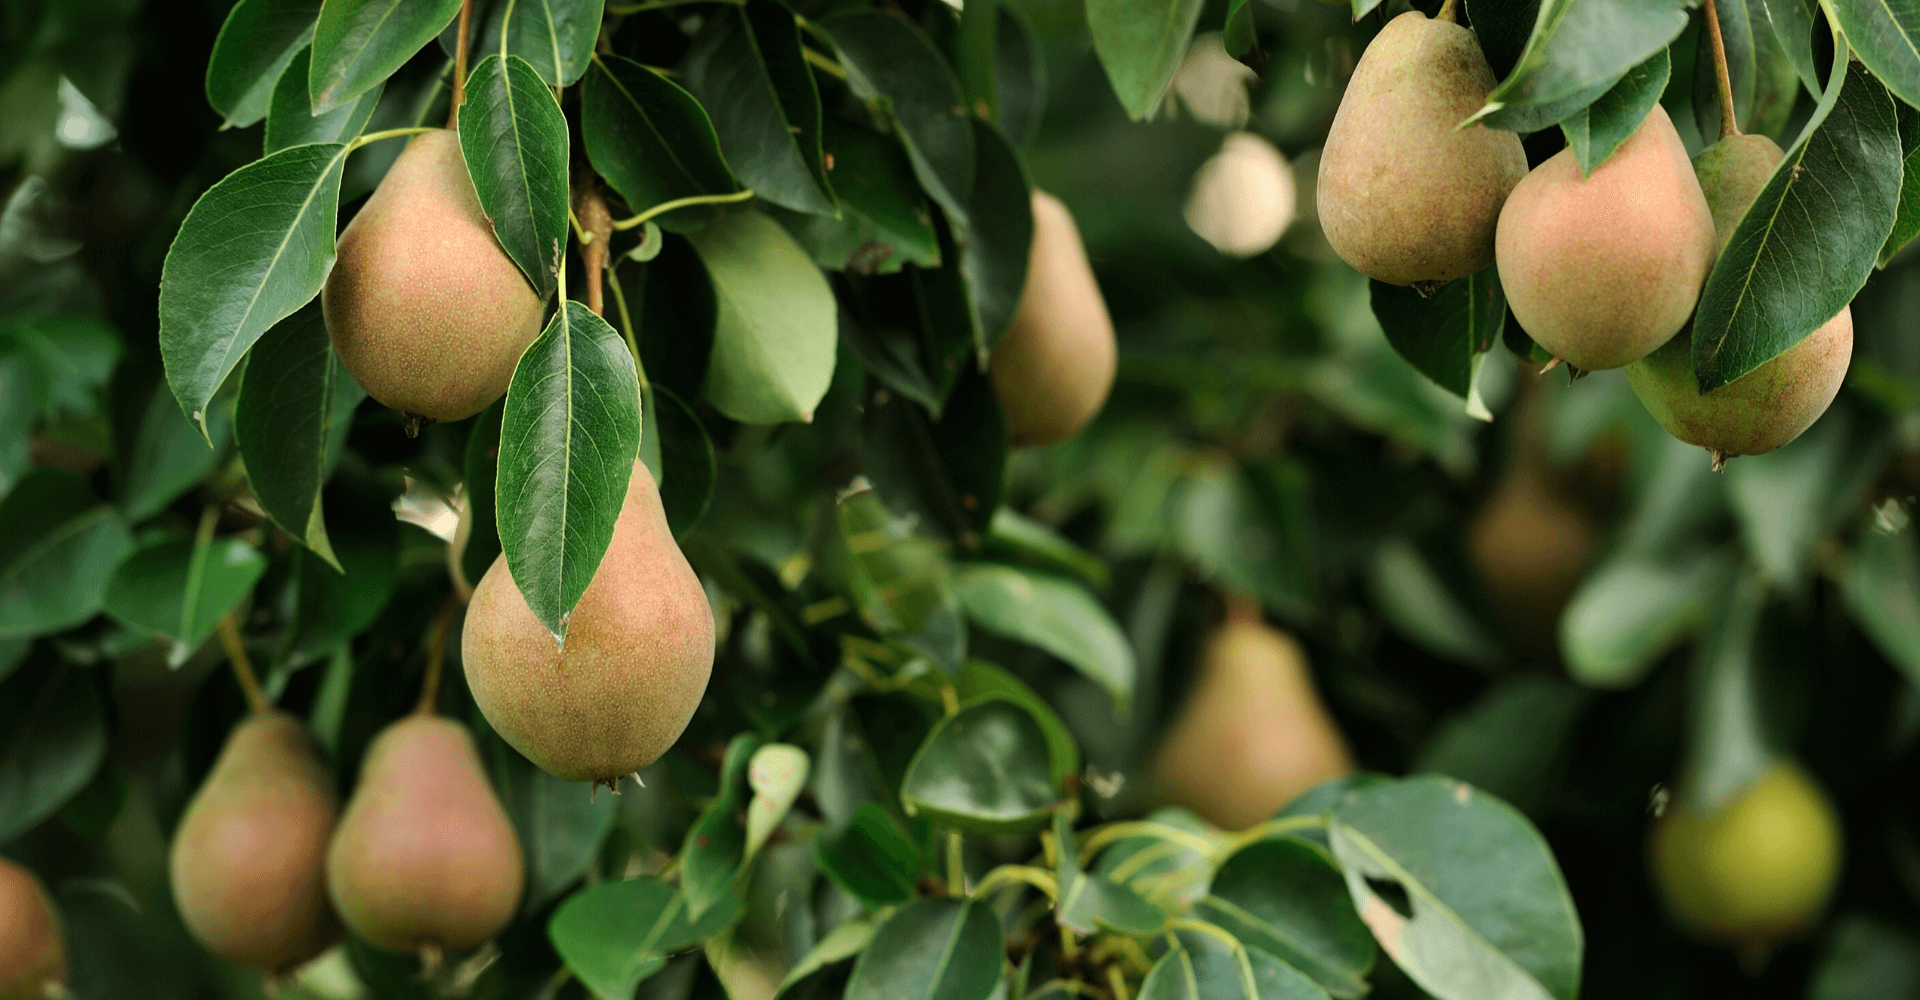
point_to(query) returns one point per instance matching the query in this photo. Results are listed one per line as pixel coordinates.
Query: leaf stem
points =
(1006, 876)
(460, 65)
(1117, 981)
(392, 133)
(1102, 836)
(1270, 828)
(956, 869)
(242, 667)
(667, 206)
(436, 656)
(823, 63)
(1728, 126)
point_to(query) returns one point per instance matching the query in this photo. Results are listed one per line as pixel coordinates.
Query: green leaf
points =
(560, 829)
(888, 58)
(983, 770)
(716, 845)
(1016, 537)
(1490, 913)
(1631, 610)
(1093, 902)
(256, 44)
(514, 140)
(53, 737)
(167, 457)
(1597, 130)
(1446, 336)
(823, 972)
(1182, 974)
(872, 859)
(1810, 239)
(901, 581)
(615, 934)
(59, 550)
(73, 358)
(357, 44)
(1793, 30)
(651, 140)
(1251, 527)
(555, 37)
(1511, 741)
(978, 679)
(1140, 44)
(1426, 607)
(332, 606)
(776, 774)
(1728, 746)
(1789, 500)
(948, 473)
(688, 465)
(1866, 959)
(1906, 218)
(569, 435)
(291, 421)
(254, 248)
(884, 221)
(773, 341)
(1019, 78)
(1885, 34)
(1239, 36)
(180, 588)
(290, 118)
(932, 949)
(747, 69)
(972, 55)
(999, 236)
(481, 468)
(1286, 897)
(1578, 50)
(1882, 588)
(1054, 614)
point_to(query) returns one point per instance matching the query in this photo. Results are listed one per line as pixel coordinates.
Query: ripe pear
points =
(1055, 366)
(424, 308)
(1774, 403)
(1252, 735)
(1758, 869)
(33, 958)
(1530, 547)
(638, 651)
(249, 857)
(1406, 196)
(1602, 270)
(424, 856)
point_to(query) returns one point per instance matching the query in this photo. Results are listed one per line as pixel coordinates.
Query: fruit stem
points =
(626, 328)
(436, 657)
(392, 133)
(242, 667)
(956, 867)
(460, 65)
(1728, 126)
(1449, 11)
(667, 206)
(1242, 608)
(597, 223)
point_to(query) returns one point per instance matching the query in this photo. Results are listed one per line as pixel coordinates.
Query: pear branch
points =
(1728, 126)
(460, 65)
(596, 225)
(242, 667)
(436, 656)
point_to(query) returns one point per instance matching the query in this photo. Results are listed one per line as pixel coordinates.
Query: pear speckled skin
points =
(1054, 368)
(424, 855)
(33, 956)
(249, 857)
(1404, 196)
(638, 654)
(1602, 270)
(426, 311)
(1253, 734)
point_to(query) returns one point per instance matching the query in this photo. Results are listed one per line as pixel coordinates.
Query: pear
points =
(638, 652)
(249, 857)
(1758, 869)
(1243, 197)
(424, 857)
(1530, 547)
(1405, 195)
(1774, 403)
(1054, 368)
(1602, 270)
(1252, 735)
(426, 311)
(33, 958)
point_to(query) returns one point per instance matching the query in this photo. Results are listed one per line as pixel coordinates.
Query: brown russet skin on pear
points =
(425, 855)
(32, 954)
(1054, 368)
(1404, 195)
(249, 857)
(1602, 270)
(1252, 735)
(426, 311)
(638, 653)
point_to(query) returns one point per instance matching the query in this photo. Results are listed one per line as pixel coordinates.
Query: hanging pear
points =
(1602, 270)
(1054, 368)
(638, 653)
(1405, 195)
(1252, 735)
(424, 857)
(425, 309)
(248, 860)
(33, 957)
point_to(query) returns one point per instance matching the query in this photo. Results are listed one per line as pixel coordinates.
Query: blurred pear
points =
(1054, 368)
(33, 957)
(1243, 197)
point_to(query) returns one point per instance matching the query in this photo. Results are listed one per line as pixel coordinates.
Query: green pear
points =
(639, 649)
(249, 857)
(33, 957)
(425, 309)
(1602, 270)
(424, 857)
(1405, 195)
(1054, 368)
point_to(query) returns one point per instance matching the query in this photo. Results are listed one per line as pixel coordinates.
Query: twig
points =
(667, 206)
(460, 65)
(1728, 126)
(598, 225)
(242, 667)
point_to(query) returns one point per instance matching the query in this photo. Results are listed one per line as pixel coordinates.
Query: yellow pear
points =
(249, 857)
(638, 653)
(33, 958)
(424, 308)
(1253, 734)
(1055, 366)
(1405, 195)
(424, 857)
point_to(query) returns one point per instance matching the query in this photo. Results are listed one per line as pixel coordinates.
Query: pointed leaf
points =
(1090, 902)
(555, 37)
(357, 44)
(933, 949)
(1597, 130)
(901, 581)
(560, 829)
(1906, 223)
(514, 140)
(481, 470)
(747, 69)
(1444, 337)
(887, 57)
(774, 339)
(999, 235)
(884, 221)
(776, 774)
(1885, 34)
(1054, 614)
(167, 456)
(256, 44)
(651, 140)
(1579, 49)
(872, 859)
(180, 589)
(1140, 44)
(290, 118)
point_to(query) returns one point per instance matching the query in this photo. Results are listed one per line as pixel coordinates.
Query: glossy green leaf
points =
(1090, 901)
(901, 581)
(823, 972)
(1906, 221)
(357, 44)
(53, 737)
(180, 589)
(167, 456)
(1597, 130)
(57, 554)
(291, 421)
(1183, 974)
(254, 248)
(560, 829)
(978, 679)
(1054, 614)
(1019, 78)
(1018, 538)
(1882, 588)
(651, 140)
(971, 53)
(1444, 336)
(983, 770)
(773, 342)
(1811, 237)
(933, 949)
(555, 37)
(1490, 912)
(872, 859)
(1578, 50)
(747, 69)
(887, 57)
(481, 470)
(256, 44)
(290, 118)
(948, 473)
(1633, 608)
(1140, 44)
(1239, 36)
(569, 435)
(716, 844)
(615, 934)
(1885, 34)
(1169, 871)
(884, 221)
(514, 140)
(999, 235)
(1286, 897)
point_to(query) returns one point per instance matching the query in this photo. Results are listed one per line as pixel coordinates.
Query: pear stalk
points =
(436, 657)
(460, 65)
(1728, 126)
(236, 648)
